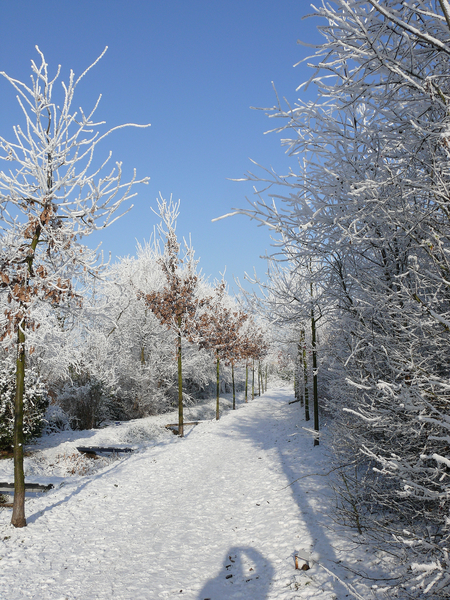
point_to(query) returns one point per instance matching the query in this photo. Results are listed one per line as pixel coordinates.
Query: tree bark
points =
(253, 379)
(259, 379)
(305, 377)
(234, 389)
(180, 385)
(246, 382)
(299, 390)
(218, 384)
(18, 516)
(314, 365)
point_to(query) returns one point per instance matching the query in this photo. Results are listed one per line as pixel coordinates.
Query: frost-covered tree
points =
(253, 346)
(367, 203)
(291, 299)
(219, 328)
(143, 375)
(52, 194)
(139, 348)
(177, 302)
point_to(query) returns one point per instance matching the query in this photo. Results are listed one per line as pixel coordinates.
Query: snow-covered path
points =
(210, 516)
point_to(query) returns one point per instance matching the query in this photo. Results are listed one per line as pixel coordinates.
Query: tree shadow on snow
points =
(296, 457)
(75, 488)
(245, 574)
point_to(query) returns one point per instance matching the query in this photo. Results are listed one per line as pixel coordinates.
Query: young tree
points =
(50, 200)
(253, 346)
(176, 305)
(289, 298)
(219, 329)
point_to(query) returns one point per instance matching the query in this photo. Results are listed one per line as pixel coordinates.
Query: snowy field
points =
(212, 515)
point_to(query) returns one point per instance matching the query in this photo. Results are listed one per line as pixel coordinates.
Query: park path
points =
(212, 515)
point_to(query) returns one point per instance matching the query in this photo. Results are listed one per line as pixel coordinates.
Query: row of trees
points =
(116, 358)
(192, 311)
(100, 339)
(364, 233)
(288, 301)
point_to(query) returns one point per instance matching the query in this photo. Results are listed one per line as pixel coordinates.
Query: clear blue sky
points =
(191, 68)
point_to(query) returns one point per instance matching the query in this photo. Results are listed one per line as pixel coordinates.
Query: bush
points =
(87, 403)
(35, 403)
(56, 420)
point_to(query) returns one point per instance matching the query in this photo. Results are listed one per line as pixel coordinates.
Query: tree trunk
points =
(305, 377)
(218, 390)
(18, 516)
(246, 382)
(234, 389)
(180, 386)
(299, 391)
(314, 365)
(266, 378)
(259, 379)
(253, 379)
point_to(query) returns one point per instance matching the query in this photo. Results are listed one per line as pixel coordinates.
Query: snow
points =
(220, 514)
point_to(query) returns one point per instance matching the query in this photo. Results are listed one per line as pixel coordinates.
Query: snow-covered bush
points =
(87, 403)
(55, 419)
(35, 404)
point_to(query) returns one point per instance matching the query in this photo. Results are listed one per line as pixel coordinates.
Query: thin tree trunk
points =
(259, 379)
(234, 389)
(218, 384)
(18, 516)
(314, 365)
(266, 378)
(180, 386)
(253, 379)
(246, 382)
(299, 367)
(305, 378)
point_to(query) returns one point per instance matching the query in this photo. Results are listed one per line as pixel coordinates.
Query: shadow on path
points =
(245, 574)
(279, 431)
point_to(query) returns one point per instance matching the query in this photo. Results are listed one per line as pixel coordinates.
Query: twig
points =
(318, 475)
(347, 586)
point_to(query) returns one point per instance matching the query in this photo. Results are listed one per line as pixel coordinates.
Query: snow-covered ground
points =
(220, 514)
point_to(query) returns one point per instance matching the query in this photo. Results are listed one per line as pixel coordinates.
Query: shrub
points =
(87, 403)
(35, 404)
